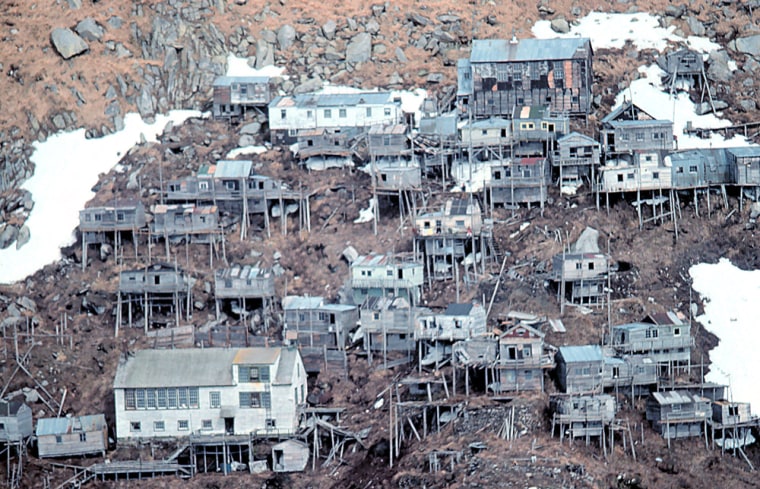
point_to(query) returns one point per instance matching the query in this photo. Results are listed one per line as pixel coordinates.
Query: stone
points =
(359, 49)
(68, 43)
(308, 86)
(400, 56)
(706, 107)
(115, 22)
(675, 11)
(448, 18)
(253, 128)
(560, 25)
(59, 122)
(264, 54)
(113, 109)
(286, 36)
(372, 26)
(145, 103)
(246, 140)
(328, 30)
(27, 303)
(269, 36)
(695, 26)
(435, 78)
(89, 30)
(106, 250)
(491, 20)
(749, 45)
(23, 236)
(75, 4)
(748, 105)
(418, 19)
(378, 9)
(754, 210)
(379, 49)
(717, 66)
(8, 235)
(31, 395)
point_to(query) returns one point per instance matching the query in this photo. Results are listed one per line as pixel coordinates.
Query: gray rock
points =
(286, 36)
(264, 54)
(146, 105)
(67, 42)
(706, 108)
(106, 250)
(675, 10)
(749, 45)
(113, 109)
(491, 20)
(560, 25)
(133, 183)
(27, 303)
(352, 25)
(253, 128)
(246, 140)
(754, 210)
(717, 68)
(309, 86)
(23, 236)
(199, 305)
(435, 78)
(378, 9)
(75, 4)
(379, 49)
(695, 26)
(448, 18)
(8, 234)
(89, 30)
(31, 395)
(372, 26)
(118, 123)
(328, 29)
(359, 49)
(748, 105)
(418, 19)
(400, 56)
(59, 122)
(269, 36)
(115, 22)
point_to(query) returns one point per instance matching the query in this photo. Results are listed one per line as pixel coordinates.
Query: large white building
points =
(210, 391)
(291, 113)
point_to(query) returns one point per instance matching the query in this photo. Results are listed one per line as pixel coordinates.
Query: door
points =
(229, 426)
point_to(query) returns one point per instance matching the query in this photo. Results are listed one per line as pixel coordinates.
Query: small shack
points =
(521, 360)
(15, 421)
(580, 368)
(290, 456)
(234, 96)
(71, 436)
(581, 277)
(677, 414)
(583, 416)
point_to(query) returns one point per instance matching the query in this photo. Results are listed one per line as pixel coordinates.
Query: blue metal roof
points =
(332, 99)
(641, 123)
(585, 353)
(633, 326)
(745, 152)
(233, 168)
(60, 426)
(223, 81)
(501, 50)
(458, 309)
(577, 135)
(464, 77)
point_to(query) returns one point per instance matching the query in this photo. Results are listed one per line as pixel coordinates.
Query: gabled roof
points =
(287, 364)
(585, 353)
(628, 111)
(233, 168)
(512, 330)
(62, 426)
(676, 397)
(458, 309)
(295, 302)
(496, 50)
(9, 408)
(222, 81)
(328, 100)
(577, 136)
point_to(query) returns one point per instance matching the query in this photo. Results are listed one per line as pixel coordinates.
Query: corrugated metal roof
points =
(577, 135)
(464, 77)
(627, 111)
(490, 123)
(387, 129)
(61, 426)
(644, 123)
(243, 272)
(176, 368)
(584, 353)
(632, 326)
(495, 50)
(233, 168)
(745, 152)
(296, 302)
(10, 408)
(223, 81)
(676, 397)
(257, 356)
(371, 260)
(332, 99)
(286, 365)
(122, 204)
(458, 309)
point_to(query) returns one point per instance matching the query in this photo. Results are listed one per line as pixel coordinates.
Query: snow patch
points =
(246, 150)
(239, 67)
(729, 295)
(67, 166)
(366, 215)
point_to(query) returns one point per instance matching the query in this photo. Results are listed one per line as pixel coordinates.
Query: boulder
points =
(253, 128)
(67, 42)
(89, 30)
(286, 36)
(560, 25)
(359, 49)
(309, 86)
(717, 68)
(8, 234)
(418, 19)
(264, 54)
(400, 56)
(328, 29)
(749, 45)
(23, 236)
(695, 26)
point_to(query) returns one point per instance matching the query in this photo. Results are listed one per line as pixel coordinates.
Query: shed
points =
(290, 456)
(676, 414)
(580, 368)
(70, 436)
(15, 421)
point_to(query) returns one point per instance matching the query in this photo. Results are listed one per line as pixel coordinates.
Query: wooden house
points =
(243, 288)
(575, 158)
(665, 344)
(699, 168)
(729, 413)
(628, 128)
(510, 73)
(450, 234)
(397, 174)
(317, 323)
(535, 129)
(15, 422)
(209, 391)
(458, 322)
(683, 64)
(290, 456)
(327, 142)
(521, 362)
(185, 222)
(72, 436)
(581, 277)
(493, 131)
(580, 369)
(290, 113)
(582, 416)
(520, 181)
(676, 414)
(376, 275)
(630, 373)
(744, 164)
(639, 170)
(387, 324)
(732, 424)
(235, 96)
(389, 140)
(123, 215)
(160, 288)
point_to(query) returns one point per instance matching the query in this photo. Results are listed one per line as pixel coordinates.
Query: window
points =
(129, 399)
(342, 113)
(328, 113)
(194, 398)
(135, 426)
(2, 426)
(206, 424)
(248, 373)
(655, 175)
(676, 331)
(679, 169)
(497, 175)
(389, 273)
(591, 265)
(376, 316)
(527, 126)
(693, 169)
(308, 114)
(120, 216)
(579, 266)
(183, 425)
(676, 408)
(283, 114)
(387, 112)
(620, 178)
(648, 158)
(460, 223)
(172, 398)
(87, 218)
(368, 112)
(630, 176)
(58, 439)
(98, 217)
(528, 374)
(151, 396)
(255, 400)
(215, 399)
(182, 396)
(639, 136)
(526, 351)
(159, 426)
(733, 410)
(625, 136)
(140, 398)
(271, 424)
(586, 370)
